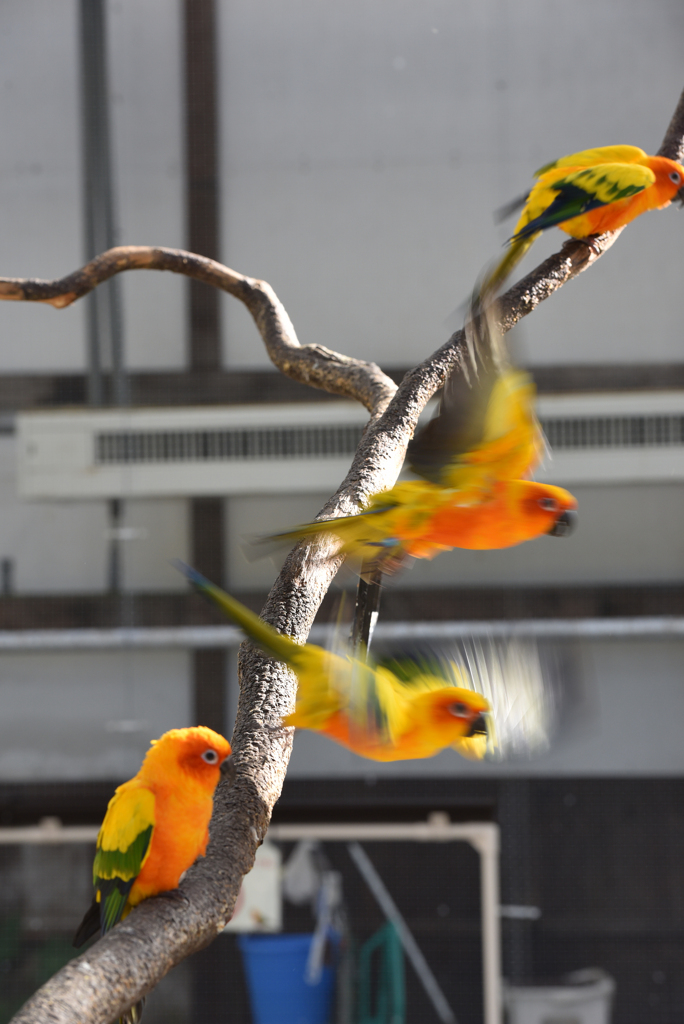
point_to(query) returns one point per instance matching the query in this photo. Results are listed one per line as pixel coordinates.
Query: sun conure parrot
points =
(156, 826)
(386, 712)
(589, 193)
(473, 458)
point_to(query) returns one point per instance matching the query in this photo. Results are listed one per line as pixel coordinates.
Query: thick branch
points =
(308, 364)
(673, 143)
(131, 959)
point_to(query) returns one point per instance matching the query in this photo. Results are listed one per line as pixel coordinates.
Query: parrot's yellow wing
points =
(600, 155)
(486, 429)
(123, 845)
(567, 188)
(559, 195)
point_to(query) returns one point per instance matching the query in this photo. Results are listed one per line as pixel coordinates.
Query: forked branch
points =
(98, 985)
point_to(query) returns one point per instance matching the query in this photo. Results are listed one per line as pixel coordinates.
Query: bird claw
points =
(176, 895)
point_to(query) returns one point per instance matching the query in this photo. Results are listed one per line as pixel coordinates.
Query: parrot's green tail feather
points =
(133, 1015)
(258, 546)
(517, 248)
(256, 629)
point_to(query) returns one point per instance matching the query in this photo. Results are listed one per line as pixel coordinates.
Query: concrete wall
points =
(366, 145)
(88, 716)
(364, 148)
(40, 175)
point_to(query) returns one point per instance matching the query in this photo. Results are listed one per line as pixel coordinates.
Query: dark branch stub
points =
(368, 595)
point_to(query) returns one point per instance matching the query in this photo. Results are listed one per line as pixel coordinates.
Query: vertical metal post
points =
(517, 880)
(202, 184)
(114, 566)
(486, 842)
(105, 325)
(202, 233)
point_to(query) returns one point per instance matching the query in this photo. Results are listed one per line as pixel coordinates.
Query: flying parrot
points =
(589, 193)
(385, 712)
(156, 826)
(473, 458)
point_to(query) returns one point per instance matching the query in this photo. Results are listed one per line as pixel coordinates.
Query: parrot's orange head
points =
(669, 177)
(547, 509)
(456, 714)
(198, 752)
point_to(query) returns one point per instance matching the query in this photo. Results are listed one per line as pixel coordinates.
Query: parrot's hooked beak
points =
(565, 524)
(479, 727)
(679, 197)
(228, 769)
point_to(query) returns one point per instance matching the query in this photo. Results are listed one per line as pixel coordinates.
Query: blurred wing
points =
(558, 197)
(485, 430)
(398, 680)
(460, 423)
(509, 673)
(591, 157)
(123, 845)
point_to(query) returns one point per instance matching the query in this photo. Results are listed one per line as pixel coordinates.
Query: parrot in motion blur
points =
(589, 193)
(393, 712)
(156, 826)
(472, 458)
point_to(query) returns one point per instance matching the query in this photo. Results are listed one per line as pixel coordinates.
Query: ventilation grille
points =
(160, 446)
(614, 432)
(116, 447)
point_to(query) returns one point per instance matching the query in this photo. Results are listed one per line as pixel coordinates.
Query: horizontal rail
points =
(146, 637)
(436, 829)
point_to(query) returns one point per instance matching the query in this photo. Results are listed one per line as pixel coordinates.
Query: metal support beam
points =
(105, 325)
(203, 637)
(202, 196)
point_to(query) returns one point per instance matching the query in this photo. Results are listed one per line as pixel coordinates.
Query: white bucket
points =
(585, 998)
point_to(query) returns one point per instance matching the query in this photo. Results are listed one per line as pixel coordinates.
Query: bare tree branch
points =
(126, 964)
(308, 364)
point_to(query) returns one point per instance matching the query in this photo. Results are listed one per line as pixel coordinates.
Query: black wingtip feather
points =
(89, 926)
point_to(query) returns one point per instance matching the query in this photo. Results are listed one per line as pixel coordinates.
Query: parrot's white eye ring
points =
(676, 177)
(458, 710)
(548, 504)
(210, 756)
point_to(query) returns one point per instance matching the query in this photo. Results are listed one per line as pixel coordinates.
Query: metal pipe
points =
(486, 842)
(146, 637)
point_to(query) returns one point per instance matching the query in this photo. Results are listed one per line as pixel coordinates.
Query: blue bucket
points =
(278, 994)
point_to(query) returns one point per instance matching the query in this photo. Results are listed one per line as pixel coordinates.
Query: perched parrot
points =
(386, 712)
(156, 826)
(589, 193)
(472, 458)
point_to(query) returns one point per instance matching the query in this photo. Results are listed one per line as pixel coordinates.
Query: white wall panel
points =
(88, 716)
(365, 146)
(40, 179)
(145, 50)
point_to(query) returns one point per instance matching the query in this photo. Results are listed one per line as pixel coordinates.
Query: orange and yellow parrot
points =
(589, 193)
(385, 712)
(473, 458)
(156, 826)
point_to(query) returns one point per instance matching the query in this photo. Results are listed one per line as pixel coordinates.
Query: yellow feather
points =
(130, 812)
(600, 155)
